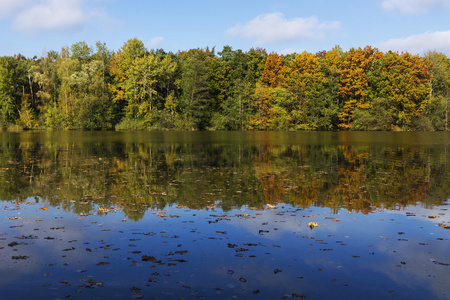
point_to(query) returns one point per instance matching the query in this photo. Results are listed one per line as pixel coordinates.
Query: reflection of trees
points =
(363, 179)
(136, 177)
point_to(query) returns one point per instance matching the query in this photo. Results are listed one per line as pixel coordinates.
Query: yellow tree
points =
(407, 85)
(303, 70)
(353, 81)
(263, 107)
(331, 65)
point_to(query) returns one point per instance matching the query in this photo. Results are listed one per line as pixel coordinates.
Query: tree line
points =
(134, 88)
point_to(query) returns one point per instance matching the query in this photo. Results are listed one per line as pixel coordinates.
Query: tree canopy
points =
(94, 88)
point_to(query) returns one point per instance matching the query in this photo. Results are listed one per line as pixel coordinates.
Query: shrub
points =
(131, 124)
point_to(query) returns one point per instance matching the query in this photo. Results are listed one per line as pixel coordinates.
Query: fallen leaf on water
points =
(21, 257)
(13, 218)
(149, 258)
(312, 225)
(12, 244)
(444, 226)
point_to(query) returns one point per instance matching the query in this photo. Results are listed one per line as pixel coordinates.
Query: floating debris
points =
(312, 225)
(444, 226)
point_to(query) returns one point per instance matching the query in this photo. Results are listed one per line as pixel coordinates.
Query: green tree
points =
(45, 75)
(196, 88)
(237, 90)
(9, 99)
(439, 102)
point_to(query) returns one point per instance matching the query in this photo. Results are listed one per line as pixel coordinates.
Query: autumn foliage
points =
(83, 87)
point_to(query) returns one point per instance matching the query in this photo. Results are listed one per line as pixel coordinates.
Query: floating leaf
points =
(444, 226)
(312, 225)
(20, 257)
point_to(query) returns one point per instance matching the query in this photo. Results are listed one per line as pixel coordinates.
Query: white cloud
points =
(50, 15)
(420, 43)
(274, 28)
(8, 7)
(155, 42)
(414, 6)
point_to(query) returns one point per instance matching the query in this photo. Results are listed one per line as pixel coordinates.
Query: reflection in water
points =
(224, 215)
(176, 253)
(138, 171)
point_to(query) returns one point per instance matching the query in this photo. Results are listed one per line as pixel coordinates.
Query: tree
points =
(196, 88)
(407, 88)
(9, 99)
(354, 81)
(274, 71)
(439, 102)
(237, 89)
(256, 63)
(304, 78)
(142, 77)
(132, 81)
(44, 74)
(81, 52)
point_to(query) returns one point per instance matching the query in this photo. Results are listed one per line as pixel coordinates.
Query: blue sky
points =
(31, 27)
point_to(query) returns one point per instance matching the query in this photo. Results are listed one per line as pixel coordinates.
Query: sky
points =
(34, 27)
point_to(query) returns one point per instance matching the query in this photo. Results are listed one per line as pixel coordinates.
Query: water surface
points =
(224, 215)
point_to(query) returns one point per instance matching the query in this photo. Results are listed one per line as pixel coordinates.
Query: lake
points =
(225, 215)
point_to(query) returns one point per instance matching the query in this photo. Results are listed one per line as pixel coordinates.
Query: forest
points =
(86, 87)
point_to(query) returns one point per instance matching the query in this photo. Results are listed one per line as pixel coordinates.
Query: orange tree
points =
(353, 82)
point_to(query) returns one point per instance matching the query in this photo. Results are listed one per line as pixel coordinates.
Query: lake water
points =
(224, 215)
